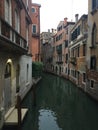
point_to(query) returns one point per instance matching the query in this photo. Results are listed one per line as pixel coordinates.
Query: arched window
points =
(94, 32)
(17, 21)
(8, 11)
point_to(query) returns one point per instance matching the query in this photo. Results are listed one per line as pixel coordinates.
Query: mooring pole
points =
(34, 95)
(19, 111)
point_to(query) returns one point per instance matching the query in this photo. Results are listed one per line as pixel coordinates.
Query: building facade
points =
(35, 46)
(77, 52)
(60, 54)
(15, 72)
(92, 48)
(46, 43)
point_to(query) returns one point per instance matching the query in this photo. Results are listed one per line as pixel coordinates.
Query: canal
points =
(60, 105)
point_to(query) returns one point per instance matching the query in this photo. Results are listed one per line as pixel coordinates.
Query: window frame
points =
(94, 6)
(33, 9)
(8, 11)
(84, 77)
(93, 62)
(94, 34)
(17, 21)
(84, 49)
(34, 31)
(92, 81)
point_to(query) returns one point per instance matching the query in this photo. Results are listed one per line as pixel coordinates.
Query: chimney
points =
(65, 20)
(76, 17)
(49, 30)
(52, 30)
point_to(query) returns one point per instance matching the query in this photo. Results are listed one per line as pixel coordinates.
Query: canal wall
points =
(34, 82)
(83, 87)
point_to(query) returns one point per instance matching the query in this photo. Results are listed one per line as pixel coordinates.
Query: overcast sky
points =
(54, 11)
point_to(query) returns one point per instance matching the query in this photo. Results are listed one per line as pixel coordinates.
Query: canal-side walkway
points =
(11, 117)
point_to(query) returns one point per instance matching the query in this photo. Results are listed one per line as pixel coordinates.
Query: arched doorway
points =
(7, 86)
(56, 69)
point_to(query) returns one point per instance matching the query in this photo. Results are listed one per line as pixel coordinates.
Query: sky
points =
(54, 11)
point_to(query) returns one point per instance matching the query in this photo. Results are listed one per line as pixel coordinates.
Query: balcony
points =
(59, 62)
(10, 40)
(73, 60)
(36, 35)
(92, 46)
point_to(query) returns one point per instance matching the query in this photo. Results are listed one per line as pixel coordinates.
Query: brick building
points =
(77, 52)
(35, 46)
(60, 55)
(15, 72)
(46, 43)
(92, 49)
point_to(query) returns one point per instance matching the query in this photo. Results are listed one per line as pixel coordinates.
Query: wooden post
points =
(19, 111)
(34, 95)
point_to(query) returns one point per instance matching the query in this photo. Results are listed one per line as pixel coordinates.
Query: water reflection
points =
(47, 120)
(60, 106)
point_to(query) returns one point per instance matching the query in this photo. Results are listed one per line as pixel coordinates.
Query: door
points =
(7, 87)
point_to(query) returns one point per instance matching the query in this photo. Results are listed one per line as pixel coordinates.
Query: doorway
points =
(7, 87)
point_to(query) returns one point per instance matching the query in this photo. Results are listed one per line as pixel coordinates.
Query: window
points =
(66, 58)
(94, 4)
(84, 77)
(94, 32)
(8, 11)
(75, 73)
(92, 84)
(17, 21)
(34, 29)
(93, 62)
(60, 58)
(84, 49)
(66, 43)
(57, 38)
(78, 30)
(59, 28)
(78, 51)
(72, 52)
(33, 10)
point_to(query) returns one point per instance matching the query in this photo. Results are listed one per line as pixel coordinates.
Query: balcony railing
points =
(59, 62)
(36, 34)
(73, 60)
(9, 34)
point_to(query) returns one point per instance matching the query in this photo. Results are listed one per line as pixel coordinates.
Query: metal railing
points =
(7, 32)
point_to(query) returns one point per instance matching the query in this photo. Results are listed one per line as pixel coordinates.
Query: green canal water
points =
(60, 105)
